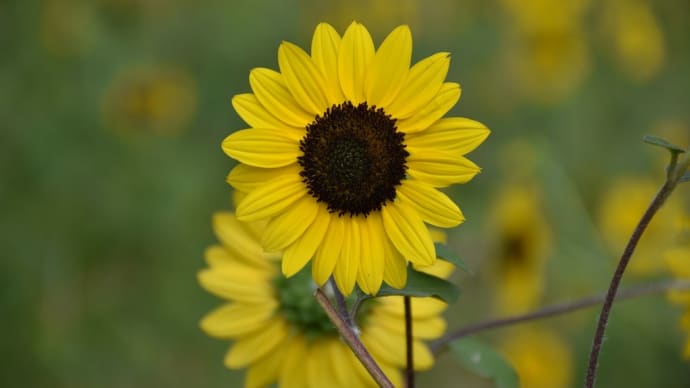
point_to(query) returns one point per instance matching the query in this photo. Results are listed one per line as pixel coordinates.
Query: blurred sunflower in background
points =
(153, 99)
(621, 208)
(345, 155)
(635, 36)
(520, 244)
(281, 334)
(541, 358)
(549, 57)
(678, 262)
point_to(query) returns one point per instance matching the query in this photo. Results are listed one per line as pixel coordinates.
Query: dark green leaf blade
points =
(483, 360)
(657, 141)
(422, 285)
(446, 254)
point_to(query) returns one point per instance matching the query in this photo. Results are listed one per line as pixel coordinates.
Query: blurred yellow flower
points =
(620, 210)
(548, 57)
(280, 332)
(66, 27)
(346, 151)
(161, 100)
(636, 37)
(520, 243)
(678, 262)
(540, 357)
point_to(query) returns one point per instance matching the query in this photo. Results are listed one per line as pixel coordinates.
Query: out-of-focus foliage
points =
(111, 118)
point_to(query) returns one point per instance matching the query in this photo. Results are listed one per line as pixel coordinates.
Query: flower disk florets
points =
(353, 159)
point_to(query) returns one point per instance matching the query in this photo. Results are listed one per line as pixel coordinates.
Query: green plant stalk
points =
(675, 172)
(441, 344)
(352, 340)
(409, 369)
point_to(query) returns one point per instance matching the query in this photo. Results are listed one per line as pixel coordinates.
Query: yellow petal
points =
(440, 169)
(447, 97)
(247, 178)
(389, 67)
(237, 319)
(354, 55)
(298, 254)
(303, 78)
(358, 376)
(432, 205)
(270, 89)
(262, 147)
(320, 369)
(266, 370)
(422, 83)
(371, 265)
(237, 283)
(348, 264)
(238, 241)
(253, 113)
(324, 53)
(271, 198)
(328, 253)
(423, 307)
(455, 135)
(428, 328)
(440, 268)
(395, 266)
(293, 374)
(254, 346)
(337, 355)
(408, 233)
(289, 225)
(390, 347)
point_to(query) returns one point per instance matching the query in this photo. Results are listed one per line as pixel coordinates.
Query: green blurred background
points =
(111, 118)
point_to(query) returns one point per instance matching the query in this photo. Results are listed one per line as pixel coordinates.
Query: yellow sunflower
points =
(280, 332)
(345, 154)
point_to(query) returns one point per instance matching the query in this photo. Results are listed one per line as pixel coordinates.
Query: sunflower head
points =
(345, 155)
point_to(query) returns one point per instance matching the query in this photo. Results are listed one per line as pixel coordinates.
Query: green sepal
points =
(420, 284)
(478, 357)
(657, 141)
(443, 252)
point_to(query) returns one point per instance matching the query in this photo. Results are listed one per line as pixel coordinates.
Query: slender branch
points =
(557, 309)
(353, 341)
(656, 204)
(341, 303)
(409, 370)
(361, 298)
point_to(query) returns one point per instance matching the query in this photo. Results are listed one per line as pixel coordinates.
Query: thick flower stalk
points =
(346, 151)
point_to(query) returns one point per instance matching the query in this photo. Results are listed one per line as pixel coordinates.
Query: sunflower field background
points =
(111, 118)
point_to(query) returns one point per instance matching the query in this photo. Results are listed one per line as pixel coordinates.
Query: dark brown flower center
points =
(353, 159)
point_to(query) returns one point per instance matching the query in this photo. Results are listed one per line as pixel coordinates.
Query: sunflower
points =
(345, 155)
(521, 242)
(280, 332)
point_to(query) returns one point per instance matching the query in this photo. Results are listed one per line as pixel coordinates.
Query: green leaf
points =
(421, 285)
(657, 141)
(446, 254)
(483, 360)
(685, 177)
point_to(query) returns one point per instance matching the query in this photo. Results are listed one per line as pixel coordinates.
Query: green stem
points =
(440, 345)
(673, 175)
(409, 369)
(352, 340)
